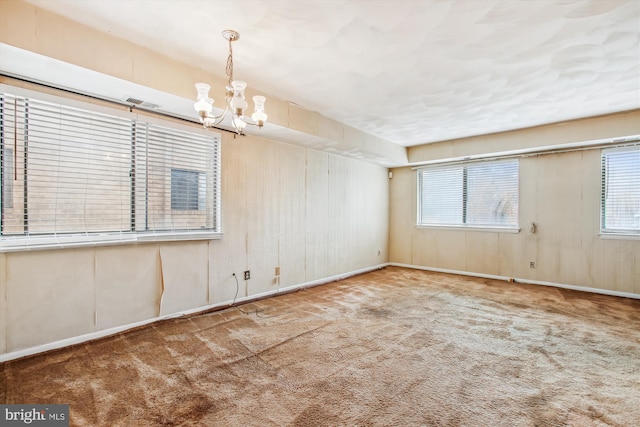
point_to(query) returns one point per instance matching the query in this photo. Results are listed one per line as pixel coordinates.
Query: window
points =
(469, 195)
(620, 207)
(99, 176)
(187, 189)
(181, 179)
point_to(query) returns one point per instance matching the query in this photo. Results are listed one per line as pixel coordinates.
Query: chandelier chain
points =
(229, 69)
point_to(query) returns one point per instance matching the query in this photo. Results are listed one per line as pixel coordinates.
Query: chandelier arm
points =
(217, 119)
(219, 116)
(249, 123)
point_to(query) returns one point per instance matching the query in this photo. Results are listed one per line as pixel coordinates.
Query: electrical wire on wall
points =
(237, 289)
(233, 303)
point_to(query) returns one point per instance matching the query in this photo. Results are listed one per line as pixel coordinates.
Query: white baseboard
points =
(528, 281)
(224, 304)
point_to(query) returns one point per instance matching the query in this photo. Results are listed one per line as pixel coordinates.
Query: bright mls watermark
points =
(34, 415)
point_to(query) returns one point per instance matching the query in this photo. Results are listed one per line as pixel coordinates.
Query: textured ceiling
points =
(408, 71)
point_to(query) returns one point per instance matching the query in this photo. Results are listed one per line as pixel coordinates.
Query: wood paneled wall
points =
(559, 192)
(313, 214)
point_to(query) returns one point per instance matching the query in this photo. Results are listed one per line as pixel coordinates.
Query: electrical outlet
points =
(277, 271)
(532, 264)
(247, 275)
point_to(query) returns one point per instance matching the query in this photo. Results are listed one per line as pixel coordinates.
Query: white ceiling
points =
(408, 71)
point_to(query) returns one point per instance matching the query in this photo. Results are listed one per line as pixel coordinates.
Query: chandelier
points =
(235, 101)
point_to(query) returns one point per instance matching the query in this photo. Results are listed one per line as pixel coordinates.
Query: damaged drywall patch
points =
(161, 282)
(184, 276)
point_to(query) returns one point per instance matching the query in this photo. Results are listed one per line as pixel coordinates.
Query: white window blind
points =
(469, 195)
(620, 199)
(75, 176)
(442, 196)
(179, 172)
(6, 190)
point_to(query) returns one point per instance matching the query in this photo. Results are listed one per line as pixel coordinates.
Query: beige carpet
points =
(395, 347)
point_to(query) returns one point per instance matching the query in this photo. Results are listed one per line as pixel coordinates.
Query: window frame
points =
(613, 233)
(464, 226)
(48, 240)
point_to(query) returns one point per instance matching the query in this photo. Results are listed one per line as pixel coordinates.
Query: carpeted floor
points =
(395, 347)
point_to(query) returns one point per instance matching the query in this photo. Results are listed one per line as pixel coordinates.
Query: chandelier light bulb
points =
(203, 91)
(239, 124)
(259, 116)
(204, 104)
(209, 122)
(238, 103)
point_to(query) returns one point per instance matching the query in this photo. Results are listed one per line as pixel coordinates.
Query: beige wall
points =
(312, 213)
(559, 192)
(574, 131)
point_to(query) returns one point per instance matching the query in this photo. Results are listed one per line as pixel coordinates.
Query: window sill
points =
(619, 236)
(19, 244)
(469, 228)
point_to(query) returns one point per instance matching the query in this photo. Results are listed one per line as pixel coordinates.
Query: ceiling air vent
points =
(134, 101)
(141, 103)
